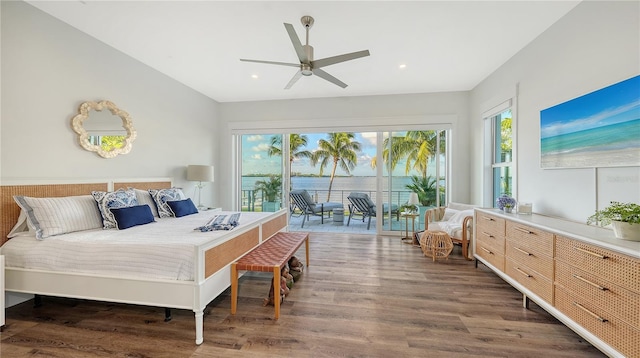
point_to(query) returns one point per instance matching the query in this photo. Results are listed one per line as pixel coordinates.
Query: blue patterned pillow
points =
(161, 196)
(113, 199)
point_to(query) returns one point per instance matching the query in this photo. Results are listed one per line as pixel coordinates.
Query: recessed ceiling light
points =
(402, 66)
(254, 76)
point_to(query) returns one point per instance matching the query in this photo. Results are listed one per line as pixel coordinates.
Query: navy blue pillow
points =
(182, 207)
(130, 216)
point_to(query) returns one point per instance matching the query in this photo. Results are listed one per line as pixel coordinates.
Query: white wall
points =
(49, 68)
(354, 113)
(595, 45)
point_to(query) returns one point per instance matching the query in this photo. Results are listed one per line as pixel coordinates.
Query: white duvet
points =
(161, 250)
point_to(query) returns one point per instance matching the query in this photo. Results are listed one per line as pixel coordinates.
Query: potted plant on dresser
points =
(623, 217)
(271, 189)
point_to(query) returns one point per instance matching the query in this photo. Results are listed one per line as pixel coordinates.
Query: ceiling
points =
(445, 45)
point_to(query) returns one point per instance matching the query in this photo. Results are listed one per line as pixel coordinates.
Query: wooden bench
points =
(270, 256)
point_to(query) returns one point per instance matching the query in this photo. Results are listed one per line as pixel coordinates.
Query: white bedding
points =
(161, 250)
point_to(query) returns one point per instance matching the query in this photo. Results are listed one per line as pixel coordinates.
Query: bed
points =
(212, 253)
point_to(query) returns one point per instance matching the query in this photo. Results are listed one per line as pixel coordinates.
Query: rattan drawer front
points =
(619, 269)
(618, 334)
(494, 258)
(531, 258)
(496, 244)
(530, 238)
(616, 300)
(489, 225)
(538, 284)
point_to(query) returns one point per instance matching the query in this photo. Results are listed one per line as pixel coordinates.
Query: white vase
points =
(626, 231)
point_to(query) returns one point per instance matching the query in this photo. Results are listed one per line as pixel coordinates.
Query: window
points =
(502, 154)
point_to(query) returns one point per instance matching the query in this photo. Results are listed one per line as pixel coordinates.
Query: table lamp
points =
(413, 203)
(201, 174)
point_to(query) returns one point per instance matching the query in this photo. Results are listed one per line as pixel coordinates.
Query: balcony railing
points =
(252, 199)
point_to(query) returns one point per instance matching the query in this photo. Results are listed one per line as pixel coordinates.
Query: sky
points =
(617, 103)
(255, 159)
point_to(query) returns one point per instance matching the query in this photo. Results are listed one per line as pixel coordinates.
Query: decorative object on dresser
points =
(623, 217)
(101, 132)
(505, 203)
(201, 174)
(584, 276)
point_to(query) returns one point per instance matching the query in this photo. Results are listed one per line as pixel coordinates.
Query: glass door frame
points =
(237, 133)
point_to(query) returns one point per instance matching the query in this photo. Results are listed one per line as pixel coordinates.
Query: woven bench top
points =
(276, 251)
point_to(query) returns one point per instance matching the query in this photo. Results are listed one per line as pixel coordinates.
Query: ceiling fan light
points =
(306, 70)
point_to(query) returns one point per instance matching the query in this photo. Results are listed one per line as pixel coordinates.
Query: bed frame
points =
(212, 269)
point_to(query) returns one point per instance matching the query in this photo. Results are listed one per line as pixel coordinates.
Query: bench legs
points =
(234, 287)
(276, 290)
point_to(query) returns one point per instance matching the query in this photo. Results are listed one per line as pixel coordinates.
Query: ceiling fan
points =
(308, 66)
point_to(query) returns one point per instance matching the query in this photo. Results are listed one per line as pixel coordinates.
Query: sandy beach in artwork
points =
(589, 159)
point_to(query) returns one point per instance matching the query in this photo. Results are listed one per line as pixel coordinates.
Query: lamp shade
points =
(413, 199)
(200, 173)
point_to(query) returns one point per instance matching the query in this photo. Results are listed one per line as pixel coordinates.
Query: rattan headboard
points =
(9, 210)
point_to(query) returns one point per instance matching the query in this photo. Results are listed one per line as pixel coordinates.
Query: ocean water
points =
(612, 137)
(342, 186)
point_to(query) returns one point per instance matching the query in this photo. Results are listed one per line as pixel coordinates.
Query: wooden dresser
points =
(581, 274)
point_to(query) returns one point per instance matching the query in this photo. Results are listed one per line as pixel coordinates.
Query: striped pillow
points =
(55, 216)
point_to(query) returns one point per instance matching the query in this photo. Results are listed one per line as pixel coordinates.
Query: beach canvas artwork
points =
(599, 129)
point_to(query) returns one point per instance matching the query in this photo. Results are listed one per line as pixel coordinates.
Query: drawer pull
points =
(485, 250)
(523, 230)
(522, 272)
(487, 234)
(488, 218)
(590, 253)
(590, 313)
(524, 252)
(590, 283)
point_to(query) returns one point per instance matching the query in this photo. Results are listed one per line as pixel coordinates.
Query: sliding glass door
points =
(387, 167)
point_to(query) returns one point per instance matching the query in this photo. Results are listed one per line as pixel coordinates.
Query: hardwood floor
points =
(362, 296)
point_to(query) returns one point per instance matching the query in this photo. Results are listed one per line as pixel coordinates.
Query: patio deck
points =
(357, 226)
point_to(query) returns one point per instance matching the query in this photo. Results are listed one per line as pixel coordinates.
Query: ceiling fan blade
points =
(320, 73)
(272, 62)
(297, 45)
(294, 79)
(337, 59)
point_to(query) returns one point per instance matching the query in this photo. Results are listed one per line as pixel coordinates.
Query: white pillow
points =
(22, 227)
(448, 213)
(144, 197)
(55, 216)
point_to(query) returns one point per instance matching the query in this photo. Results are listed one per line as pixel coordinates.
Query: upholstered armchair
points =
(456, 220)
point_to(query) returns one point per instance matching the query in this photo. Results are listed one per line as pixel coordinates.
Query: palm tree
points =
(416, 146)
(340, 148)
(296, 142)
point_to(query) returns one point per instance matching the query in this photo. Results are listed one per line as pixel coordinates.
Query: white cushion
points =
(448, 213)
(453, 226)
(144, 197)
(55, 216)
(22, 227)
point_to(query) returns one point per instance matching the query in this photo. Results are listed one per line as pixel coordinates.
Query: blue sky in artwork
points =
(613, 104)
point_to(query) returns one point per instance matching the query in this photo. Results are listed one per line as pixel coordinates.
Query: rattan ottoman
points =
(436, 244)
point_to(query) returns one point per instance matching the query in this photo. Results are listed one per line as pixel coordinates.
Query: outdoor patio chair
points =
(308, 206)
(361, 204)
